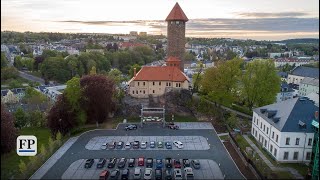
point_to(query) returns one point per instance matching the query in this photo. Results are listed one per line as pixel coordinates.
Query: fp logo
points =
(26, 145)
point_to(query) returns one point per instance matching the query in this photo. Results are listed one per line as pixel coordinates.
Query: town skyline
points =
(270, 20)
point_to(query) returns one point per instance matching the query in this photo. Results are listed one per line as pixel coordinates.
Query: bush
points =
(8, 131)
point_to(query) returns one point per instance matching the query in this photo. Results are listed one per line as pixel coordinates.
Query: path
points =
(31, 77)
(294, 172)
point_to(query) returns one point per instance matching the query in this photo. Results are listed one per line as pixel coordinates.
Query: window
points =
(264, 127)
(144, 83)
(169, 84)
(277, 138)
(166, 83)
(308, 156)
(297, 141)
(176, 84)
(256, 134)
(295, 155)
(179, 85)
(136, 91)
(138, 83)
(144, 91)
(267, 130)
(177, 22)
(265, 143)
(152, 83)
(271, 148)
(159, 83)
(132, 92)
(153, 91)
(287, 141)
(260, 125)
(252, 130)
(275, 152)
(309, 141)
(254, 119)
(257, 121)
(285, 155)
(140, 91)
(272, 134)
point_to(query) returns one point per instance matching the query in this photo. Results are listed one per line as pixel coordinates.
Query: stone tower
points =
(176, 30)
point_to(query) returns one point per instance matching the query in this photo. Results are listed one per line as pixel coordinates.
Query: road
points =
(31, 77)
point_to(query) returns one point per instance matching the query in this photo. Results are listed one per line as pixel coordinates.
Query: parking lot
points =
(209, 170)
(189, 142)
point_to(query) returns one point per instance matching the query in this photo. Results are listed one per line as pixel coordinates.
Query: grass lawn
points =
(301, 168)
(178, 118)
(10, 161)
(225, 138)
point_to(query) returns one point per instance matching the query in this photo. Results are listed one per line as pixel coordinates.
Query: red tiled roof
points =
(157, 73)
(177, 14)
(173, 59)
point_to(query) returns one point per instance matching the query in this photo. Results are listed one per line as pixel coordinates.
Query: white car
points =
(178, 144)
(143, 145)
(177, 174)
(128, 145)
(104, 146)
(137, 173)
(148, 173)
(188, 173)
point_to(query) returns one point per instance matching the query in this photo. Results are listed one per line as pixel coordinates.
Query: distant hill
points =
(302, 40)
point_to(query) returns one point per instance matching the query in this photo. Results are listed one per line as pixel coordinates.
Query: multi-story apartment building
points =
(284, 129)
(299, 73)
(308, 85)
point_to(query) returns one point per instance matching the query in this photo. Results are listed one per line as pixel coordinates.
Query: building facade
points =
(284, 129)
(176, 29)
(308, 85)
(286, 92)
(315, 150)
(299, 73)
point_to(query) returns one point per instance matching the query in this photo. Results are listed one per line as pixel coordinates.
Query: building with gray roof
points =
(301, 72)
(308, 85)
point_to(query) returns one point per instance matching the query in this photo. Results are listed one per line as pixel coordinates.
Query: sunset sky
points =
(241, 19)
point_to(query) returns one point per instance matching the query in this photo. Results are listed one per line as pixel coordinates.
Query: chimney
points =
(134, 72)
(316, 115)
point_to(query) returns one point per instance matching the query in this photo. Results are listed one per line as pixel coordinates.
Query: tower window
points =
(177, 22)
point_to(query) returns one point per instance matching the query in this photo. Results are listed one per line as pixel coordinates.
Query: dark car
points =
(149, 163)
(104, 175)
(89, 163)
(112, 145)
(168, 162)
(131, 127)
(136, 145)
(177, 163)
(114, 174)
(186, 163)
(122, 163)
(159, 163)
(101, 163)
(172, 126)
(168, 174)
(112, 162)
(195, 164)
(125, 174)
(158, 174)
(152, 144)
(168, 145)
(131, 162)
(120, 145)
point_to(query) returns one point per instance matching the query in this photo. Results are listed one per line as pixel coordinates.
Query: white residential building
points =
(290, 61)
(284, 129)
(308, 85)
(299, 73)
(286, 92)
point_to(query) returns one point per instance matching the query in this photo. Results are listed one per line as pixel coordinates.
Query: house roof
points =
(160, 73)
(310, 81)
(282, 74)
(285, 87)
(177, 14)
(287, 115)
(172, 59)
(306, 72)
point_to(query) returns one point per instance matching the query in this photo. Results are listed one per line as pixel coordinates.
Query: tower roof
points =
(177, 14)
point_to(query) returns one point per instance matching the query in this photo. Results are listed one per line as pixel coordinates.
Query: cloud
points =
(272, 15)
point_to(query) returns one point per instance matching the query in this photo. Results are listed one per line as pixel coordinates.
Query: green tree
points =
(18, 62)
(4, 61)
(73, 93)
(43, 151)
(131, 71)
(22, 167)
(33, 96)
(59, 138)
(9, 73)
(116, 75)
(189, 56)
(93, 70)
(231, 55)
(232, 120)
(51, 144)
(20, 118)
(260, 83)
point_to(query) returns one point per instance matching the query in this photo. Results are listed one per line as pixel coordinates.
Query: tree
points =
(189, 56)
(18, 62)
(22, 167)
(51, 144)
(232, 120)
(231, 55)
(116, 75)
(34, 97)
(21, 118)
(59, 138)
(98, 93)
(8, 131)
(93, 70)
(131, 71)
(43, 151)
(260, 83)
(9, 73)
(36, 118)
(4, 61)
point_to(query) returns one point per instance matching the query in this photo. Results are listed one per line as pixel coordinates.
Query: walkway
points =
(294, 172)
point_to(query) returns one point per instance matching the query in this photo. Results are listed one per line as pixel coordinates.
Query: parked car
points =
(112, 162)
(176, 163)
(172, 126)
(136, 144)
(101, 163)
(104, 175)
(125, 174)
(152, 144)
(168, 162)
(188, 173)
(89, 163)
(122, 163)
(168, 145)
(141, 161)
(158, 174)
(178, 144)
(131, 162)
(147, 173)
(159, 163)
(143, 145)
(112, 145)
(131, 127)
(186, 163)
(160, 144)
(195, 164)
(177, 174)
(168, 174)
(128, 145)
(137, 173)
(104, 146)
(149, 163)
(114, 174)
(120, 145)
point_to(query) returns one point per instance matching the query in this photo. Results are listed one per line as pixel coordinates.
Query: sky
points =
(240, 19)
